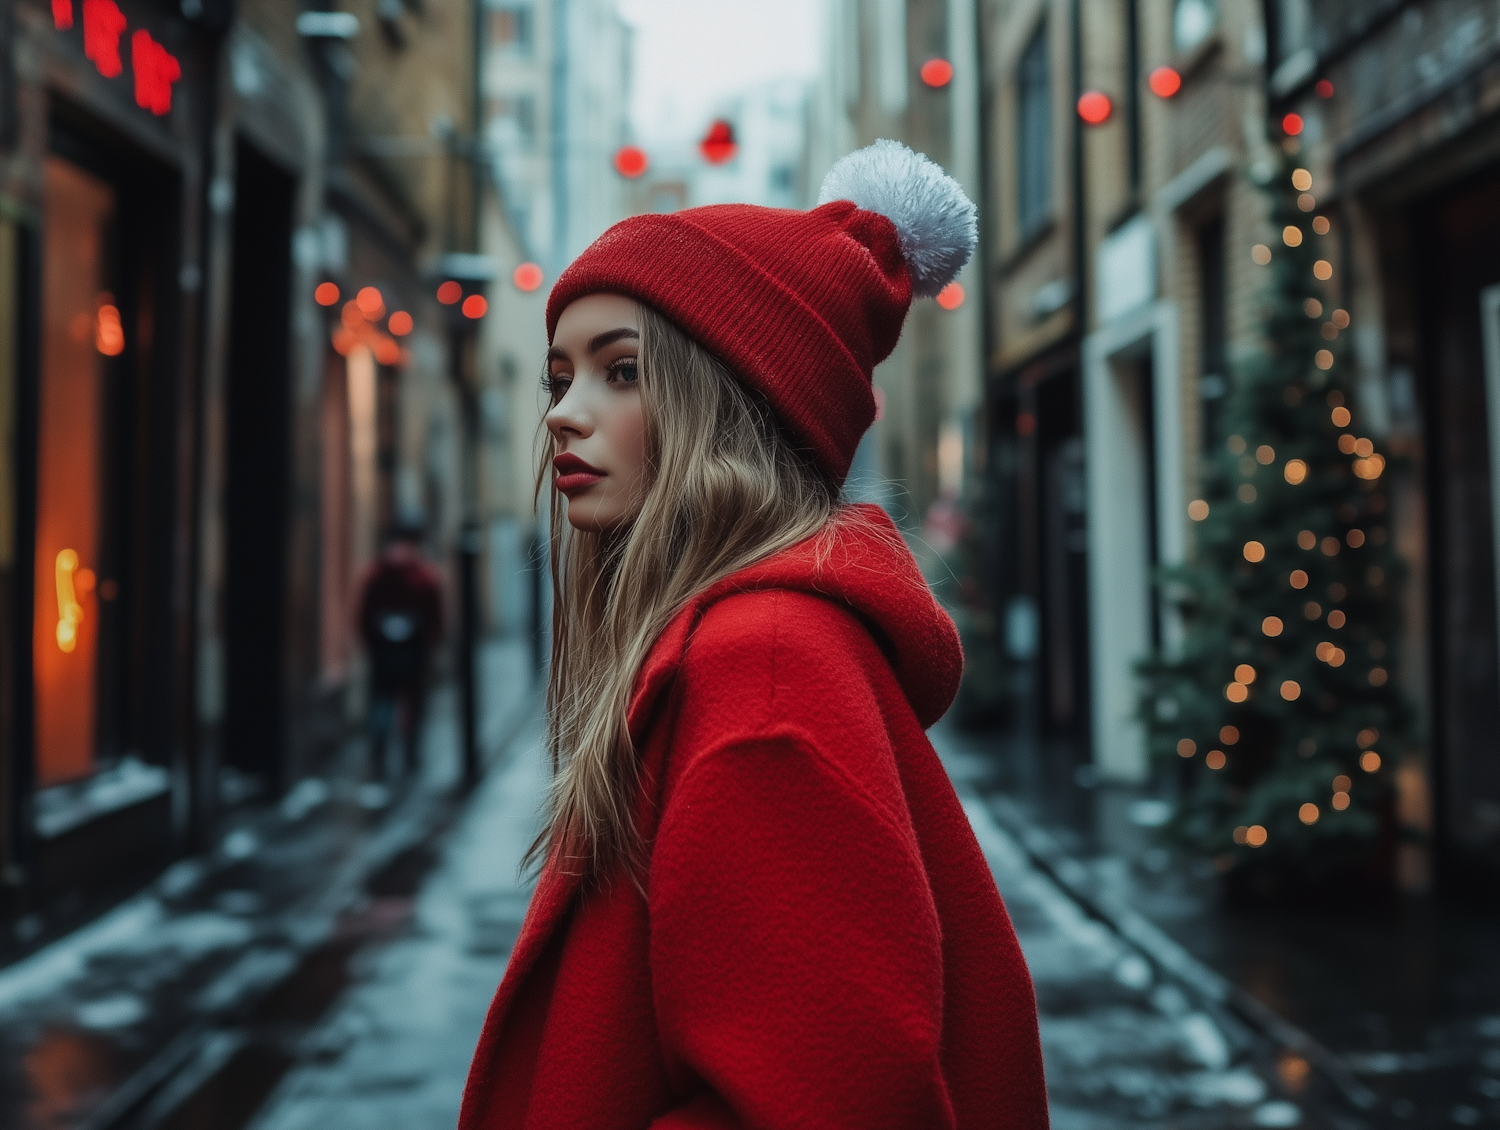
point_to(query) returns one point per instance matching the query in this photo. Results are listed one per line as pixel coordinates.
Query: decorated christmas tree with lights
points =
(1277, 709)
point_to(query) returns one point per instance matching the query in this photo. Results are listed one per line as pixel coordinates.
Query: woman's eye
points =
(556, 387)
(625, 370)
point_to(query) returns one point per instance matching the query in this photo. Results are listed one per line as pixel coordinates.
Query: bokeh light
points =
(449, 293)
(1094, 107)
(527, 277)
(1165, 82)
(937, 72)
(326, 294)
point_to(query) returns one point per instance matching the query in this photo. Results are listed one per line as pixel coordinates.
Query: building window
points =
(511, 28)
(1034, 135)
(1193, 21)
(1213, 353)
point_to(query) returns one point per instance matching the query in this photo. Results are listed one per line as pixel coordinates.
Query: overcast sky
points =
(689, 54)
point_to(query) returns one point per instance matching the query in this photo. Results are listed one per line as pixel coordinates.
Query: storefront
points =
(99, 297)
(1401, 122)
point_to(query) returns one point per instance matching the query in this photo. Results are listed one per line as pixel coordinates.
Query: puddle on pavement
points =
(233, 1092)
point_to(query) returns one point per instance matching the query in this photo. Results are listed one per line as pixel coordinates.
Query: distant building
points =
(555, 84)
(871, 87)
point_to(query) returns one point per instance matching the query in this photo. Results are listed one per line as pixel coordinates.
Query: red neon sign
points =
(155, 72)
(103, 24)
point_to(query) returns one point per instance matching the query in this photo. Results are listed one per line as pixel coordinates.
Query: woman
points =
(761, 904)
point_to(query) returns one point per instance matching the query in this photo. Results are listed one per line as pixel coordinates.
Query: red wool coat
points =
(821, 943)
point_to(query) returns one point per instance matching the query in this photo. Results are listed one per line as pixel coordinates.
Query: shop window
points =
(1034, 135)
(81, 331)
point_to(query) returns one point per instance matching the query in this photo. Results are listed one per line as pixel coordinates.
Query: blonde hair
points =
(726, 487)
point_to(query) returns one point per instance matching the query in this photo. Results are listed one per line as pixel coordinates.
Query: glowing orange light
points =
(1322, 270)
(1323, 89)
(1272, 625)
(1369, 761)
(951, 297)
(1295, 471)
(527, 277)
(1236, 692)
(1095, 107)
(1336, 619)
(1378, 676)
(1255, 835)
(1292, 124)
(1265, 455)
(69, 611)
(1261, 254)
(109, 335)
(1291, 690)
(1229, 734)
(400, 323)
(1198, 510)
(1341, 801)
(344, 342)
(1216, 758)
(1301, 180)
(631, 161)
(1330, 546)
(326, 294)
(1291, 235)
(352, 317)
(449, 293)
(1323, 359)
(718, 145)
(937, 72)
(370, 303)
(475, 306)
(1244, 673)
(387, 352)
(1165, 82)
(1187, 747)
(1254, 552)
(1298, 579)
(1308, 813)
(1239, 833)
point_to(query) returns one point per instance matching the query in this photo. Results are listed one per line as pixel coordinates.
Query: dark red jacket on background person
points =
(820, 942)
(400, 613)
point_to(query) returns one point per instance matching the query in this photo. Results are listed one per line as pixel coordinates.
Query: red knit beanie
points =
(801, 305)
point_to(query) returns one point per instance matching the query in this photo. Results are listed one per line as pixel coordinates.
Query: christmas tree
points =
(1279, 707)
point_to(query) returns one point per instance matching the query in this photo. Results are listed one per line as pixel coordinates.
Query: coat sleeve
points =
(795, 947)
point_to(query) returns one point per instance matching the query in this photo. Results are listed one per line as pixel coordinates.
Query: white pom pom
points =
(937, 224)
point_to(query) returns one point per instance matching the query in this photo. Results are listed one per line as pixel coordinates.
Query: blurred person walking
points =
(761, 902)
(400, 620)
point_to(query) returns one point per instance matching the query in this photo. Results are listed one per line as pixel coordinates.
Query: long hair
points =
(725, 487)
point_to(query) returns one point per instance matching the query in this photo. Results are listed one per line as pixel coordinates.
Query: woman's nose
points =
(568, 415)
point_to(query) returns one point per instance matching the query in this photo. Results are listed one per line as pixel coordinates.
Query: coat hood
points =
(860, 561)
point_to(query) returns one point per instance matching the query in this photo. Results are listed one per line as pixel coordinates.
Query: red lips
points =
(574, 474)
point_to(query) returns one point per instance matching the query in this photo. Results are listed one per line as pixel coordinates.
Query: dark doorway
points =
(259, 451)
(1063, 579)
(1457, 235)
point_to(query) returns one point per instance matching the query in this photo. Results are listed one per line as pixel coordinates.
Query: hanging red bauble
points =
(937, 72)
(1094, 108)
(1292, 124)
(1165, 82)
(718, 145)
(630, 161)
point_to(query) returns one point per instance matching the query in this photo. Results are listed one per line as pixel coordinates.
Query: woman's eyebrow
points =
(556, 354)
(609, 337)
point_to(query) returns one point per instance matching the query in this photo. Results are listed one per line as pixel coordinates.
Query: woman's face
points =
(596, 421)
